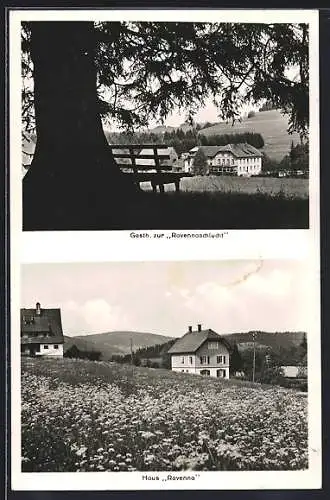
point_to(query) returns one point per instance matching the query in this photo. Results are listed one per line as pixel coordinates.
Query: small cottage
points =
(41, 332)
(202, 352)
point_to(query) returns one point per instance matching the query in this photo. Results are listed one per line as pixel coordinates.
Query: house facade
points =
(201, 352)
(41, 332)
(242, 160)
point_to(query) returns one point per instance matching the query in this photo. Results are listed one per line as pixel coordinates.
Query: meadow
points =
(98, 416)
(289, 188)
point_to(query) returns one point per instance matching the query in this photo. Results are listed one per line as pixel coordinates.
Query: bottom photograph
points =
(164, 366)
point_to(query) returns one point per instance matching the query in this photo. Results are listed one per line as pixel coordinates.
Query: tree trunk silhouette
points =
(73, 181)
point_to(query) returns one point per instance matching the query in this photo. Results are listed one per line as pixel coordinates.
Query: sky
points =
(165, 297)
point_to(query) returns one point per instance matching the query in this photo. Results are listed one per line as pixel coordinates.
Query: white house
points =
(293, 371)
(41, 332)
(233, 159)
(202, 352)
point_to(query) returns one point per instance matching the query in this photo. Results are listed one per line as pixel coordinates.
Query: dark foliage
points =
(146, 69)
(252, 138)
(200, 165)
(74, 352)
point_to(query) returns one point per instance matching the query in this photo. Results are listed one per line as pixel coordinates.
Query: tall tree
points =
(200, 165)
(132, 72)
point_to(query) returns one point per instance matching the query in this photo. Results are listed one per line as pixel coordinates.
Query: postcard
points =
(164, 169)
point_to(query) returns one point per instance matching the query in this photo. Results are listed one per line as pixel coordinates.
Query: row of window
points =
(205, 360)
(37, 334)
(222, 161)
(207, 373)
(26, 348)
(226, 169)
(246, 168)
(227, 161)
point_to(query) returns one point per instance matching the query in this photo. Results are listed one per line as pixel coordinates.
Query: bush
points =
(251, 114)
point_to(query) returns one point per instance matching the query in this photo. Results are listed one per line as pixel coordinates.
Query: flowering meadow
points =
(82, 415)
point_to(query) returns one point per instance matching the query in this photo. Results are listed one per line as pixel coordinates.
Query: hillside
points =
(272, 125)
(276, 341)
(118, 342)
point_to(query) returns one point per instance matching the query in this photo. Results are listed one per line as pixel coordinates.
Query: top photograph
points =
(138, 125)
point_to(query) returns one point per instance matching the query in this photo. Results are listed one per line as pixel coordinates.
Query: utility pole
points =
(132, 364)
(254, 356)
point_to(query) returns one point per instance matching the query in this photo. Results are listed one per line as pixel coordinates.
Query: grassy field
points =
(271, 186)
(272, 125)
(90, 416)
(199, 210)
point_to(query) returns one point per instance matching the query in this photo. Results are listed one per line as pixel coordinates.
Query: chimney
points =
(38, 309)
(199, 327)
(190, 329)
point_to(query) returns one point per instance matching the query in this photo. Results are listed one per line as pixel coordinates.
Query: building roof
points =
(191, 341)
(241, 150)
(43, 340)
(49, 321)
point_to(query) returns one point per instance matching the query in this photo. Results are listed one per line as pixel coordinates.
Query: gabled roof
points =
(241, 150)
(191, 341)
(48, 322)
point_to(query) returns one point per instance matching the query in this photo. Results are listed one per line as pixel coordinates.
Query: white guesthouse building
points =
(242, 160)
(202, 352)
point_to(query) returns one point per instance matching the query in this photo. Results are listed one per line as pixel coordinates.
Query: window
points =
(45, 346)
(55, 346)
(205, 360)
(205, 373)
(221, 360)
(213, 345)
(190, 360)
(182, 359)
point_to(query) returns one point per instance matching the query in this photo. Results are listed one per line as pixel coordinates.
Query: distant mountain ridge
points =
(274, 340)
(117, 342)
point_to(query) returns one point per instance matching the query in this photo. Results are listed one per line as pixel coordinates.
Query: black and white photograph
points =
(158, 366)
(166, 125)
(164, 250)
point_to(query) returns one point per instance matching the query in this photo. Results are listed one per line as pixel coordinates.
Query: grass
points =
(209, 202)
(99, 416)
(220, 210)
